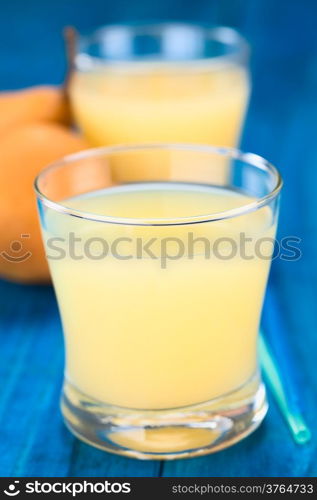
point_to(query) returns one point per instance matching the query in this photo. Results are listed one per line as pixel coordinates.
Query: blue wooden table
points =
(282, 126)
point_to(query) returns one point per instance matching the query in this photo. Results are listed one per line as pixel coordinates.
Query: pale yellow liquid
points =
(156, 102)
(142, 336)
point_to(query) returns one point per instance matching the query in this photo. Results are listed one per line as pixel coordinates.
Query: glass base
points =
(166, 434)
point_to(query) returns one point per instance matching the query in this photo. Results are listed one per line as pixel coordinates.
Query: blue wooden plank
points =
(33, 368)
(96, 463)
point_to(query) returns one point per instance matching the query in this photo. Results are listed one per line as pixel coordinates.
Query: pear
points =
(24, 152)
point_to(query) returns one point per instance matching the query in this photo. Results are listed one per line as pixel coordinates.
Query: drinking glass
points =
(160, 272)
(171, 82)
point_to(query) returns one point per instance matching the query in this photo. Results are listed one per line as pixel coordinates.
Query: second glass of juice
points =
(161, 83)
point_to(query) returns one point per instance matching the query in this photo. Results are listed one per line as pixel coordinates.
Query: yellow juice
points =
(157, 102)
(162, 331)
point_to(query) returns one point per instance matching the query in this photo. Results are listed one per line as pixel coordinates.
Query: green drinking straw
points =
(296, 423)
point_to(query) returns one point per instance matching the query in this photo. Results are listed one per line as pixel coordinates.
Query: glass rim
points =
(225, 35)
(232, 153)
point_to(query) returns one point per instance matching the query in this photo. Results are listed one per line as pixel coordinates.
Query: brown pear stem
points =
(70, 37)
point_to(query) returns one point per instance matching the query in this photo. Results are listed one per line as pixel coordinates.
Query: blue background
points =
(281, 125)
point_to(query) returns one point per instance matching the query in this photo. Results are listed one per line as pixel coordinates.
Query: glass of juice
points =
(160, 273)
(161, 83)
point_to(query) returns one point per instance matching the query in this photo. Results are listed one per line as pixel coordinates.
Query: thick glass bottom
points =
(166, 434)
